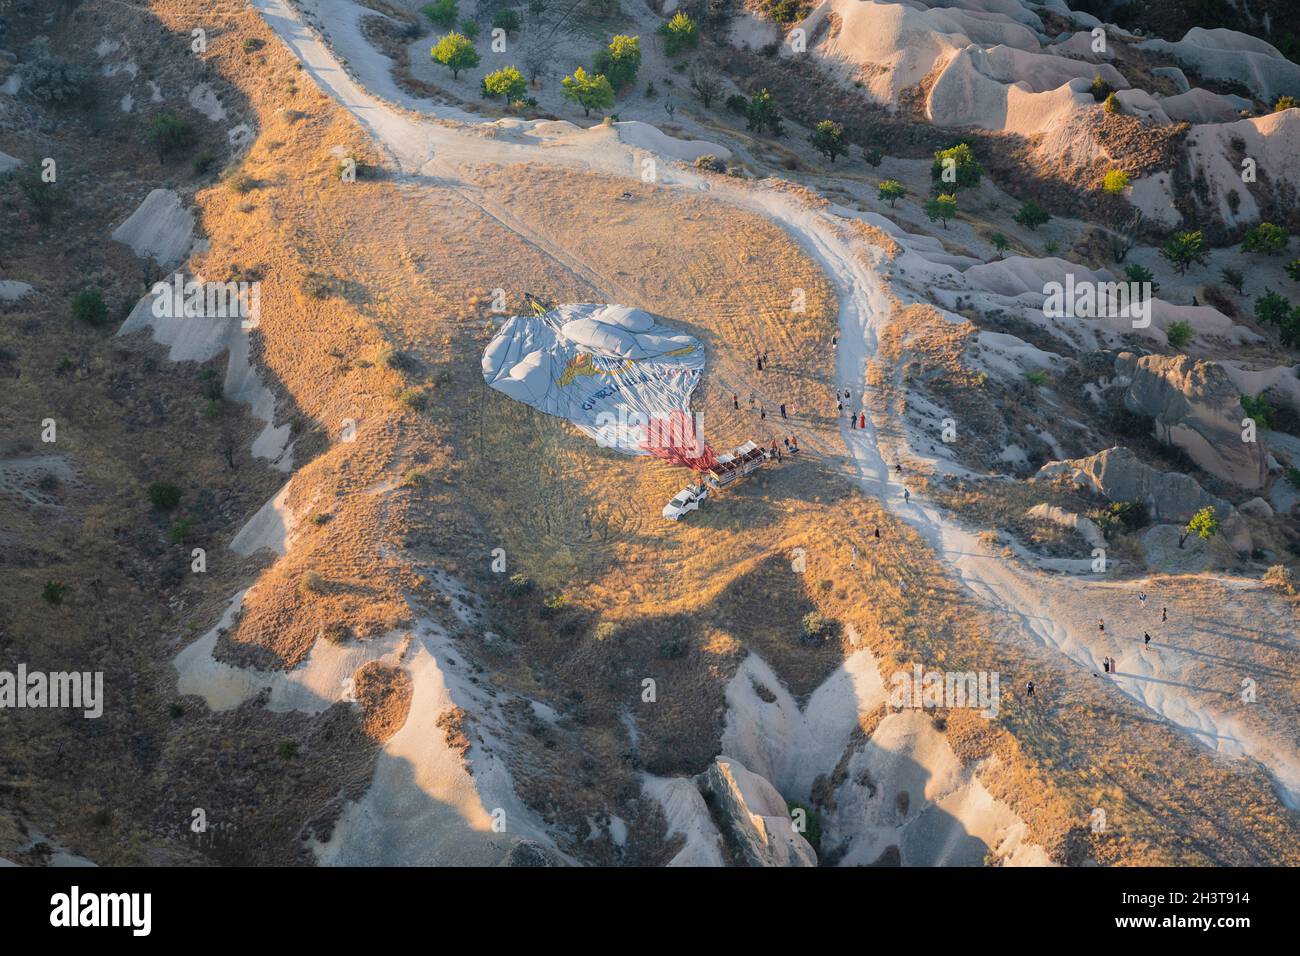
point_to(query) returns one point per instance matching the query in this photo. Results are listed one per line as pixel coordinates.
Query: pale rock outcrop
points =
(756, 815)
(1117, 475)
(1195, 407)
(1086, 527)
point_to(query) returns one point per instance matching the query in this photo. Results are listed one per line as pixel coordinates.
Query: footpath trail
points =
(1195, 690)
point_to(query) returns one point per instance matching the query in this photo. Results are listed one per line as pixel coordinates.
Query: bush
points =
(311, 582)
(241, 183)
(873, 156)
(680, 34)
(1258, 408)
(553, 604)
(507, 20)
(1032, 215)
(89, 307)
(737, 104)
(44, 197)
(1140, 274)
(169, 133)
(710, 163)
(817, 628)
(892, 191)
(442, 12)
(203, 162)
(1184, 250)
(519, 585)
(54, 592)
(181, 530)
(470, 28)
(336, 632)
(1178, 333)
(1120, 517)
(619, 61)
(1100, 89)
(1266, 239)
(588, 91)
(1115, 182)
(287, 749)
(164, 495)
(812, 821)
(761, 114)
(1285, 103)
(1037, 377)
(52, 79)
(1112, 104)
(1234, 278)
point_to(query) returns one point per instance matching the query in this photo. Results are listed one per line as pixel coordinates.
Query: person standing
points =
(862, 420)
(1029, 688)
(762, 413)
(1146, 638)
(907, 496)
(735, 401)
(1164, 615)
(783, 414)
(853, 558)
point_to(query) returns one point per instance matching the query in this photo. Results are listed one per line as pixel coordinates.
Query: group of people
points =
(1108, 664)
(791, 447)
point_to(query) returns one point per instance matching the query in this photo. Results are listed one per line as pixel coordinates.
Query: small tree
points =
(1293, 270)
(169, 133)
(1184, 250)
(706, 87)
(456, 52)
(164, 495)
(1140, 274)
(1271, 308)
(1203, 524)
(892, 191)
(761, 114)
(1285, 103)
(1115, 182)
(1266, 239)
(444, 13)
(44, 197)
(1178, 333)
(828, 139)
(942, 207)
(89, 307)
(956, 168)
(680, 34)
(1112, 104)
(1032, 215)
(1000, 242)
(1100, 89)
(1235, 278)
(507, 20)
(589, 92)
(507, 82)
(619, 61)
(873, 156)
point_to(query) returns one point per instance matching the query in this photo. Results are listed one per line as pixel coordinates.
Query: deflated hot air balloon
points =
(621, 375)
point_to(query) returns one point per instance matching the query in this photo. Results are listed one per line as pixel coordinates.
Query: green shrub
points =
(1258, 408)
(1178, 333)
(1032, 215)
(1037, 377)
(956, 168)
(519, 585)
(818, 628)
(1267, 239)
(441, 12)
(203, 162)
(1115, 182)
(169, 133)
(680, 34)
(89, 307)
(710, 163)
(507, 20)
(620, 61)
(456, 52)
(506, 82)
(181, 530)
(54, 592)
(164, 495)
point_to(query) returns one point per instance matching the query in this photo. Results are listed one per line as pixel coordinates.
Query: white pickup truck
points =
(688, 499)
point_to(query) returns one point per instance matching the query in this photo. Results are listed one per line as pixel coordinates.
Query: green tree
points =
(456, 52)
(1184, 250)
(1112, 104)
(1293, 270)
(1115, 182)
(1271, 308)
(89, 307)
(589, 92)
(507, 20)
(942, 207)
(164, 495)
(1258, 408)
(1032, 215)
(619, 61)
(1178, 334)
(442, 12)
(873, 156)
(761, 114)
(1266, 239)
(892, 190)
(1139, 274)
(680, 34)
(956, 168)
(1285, 103)
(1204, 524)
(1100, 89)
(705, 86)
(828, 139)
(169, 133)
(45, 197)
(507, 82)
(1000, 242)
